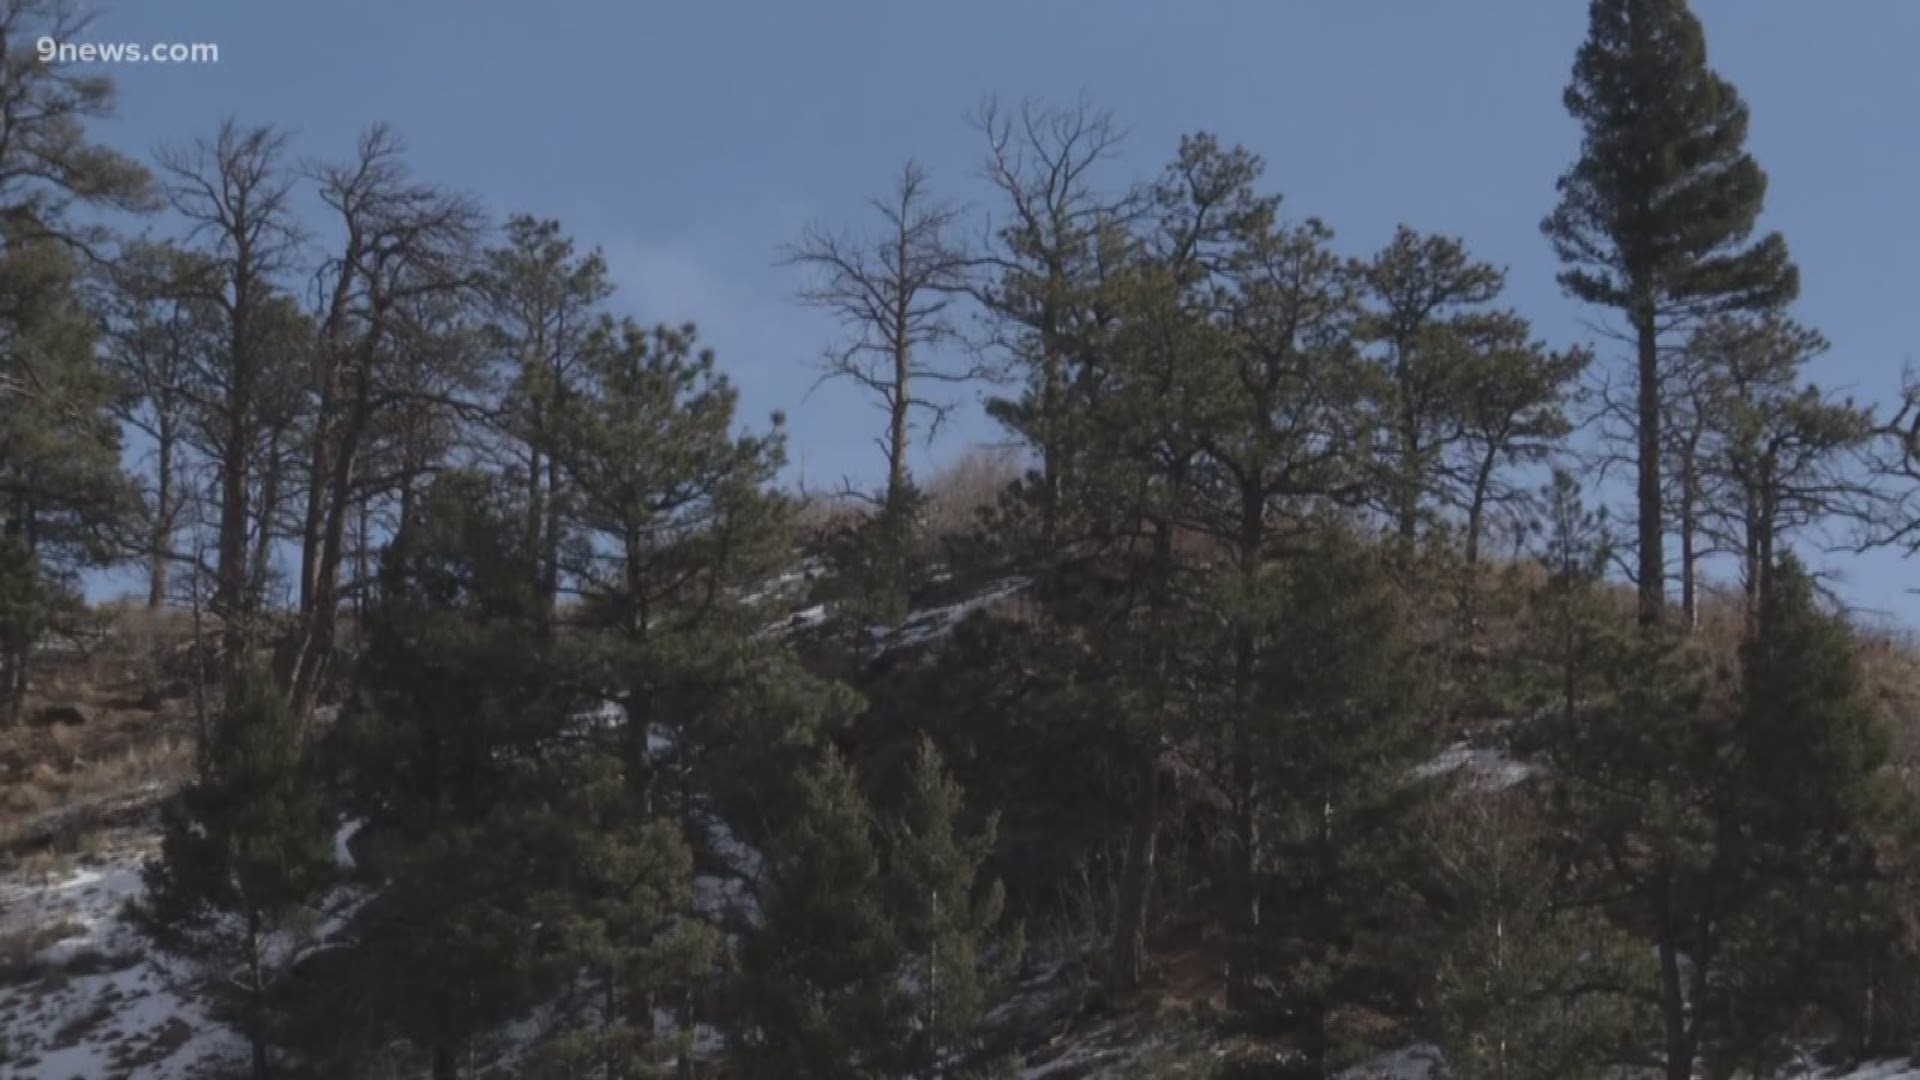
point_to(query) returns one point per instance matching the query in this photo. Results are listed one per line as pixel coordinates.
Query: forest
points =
(1326, 676)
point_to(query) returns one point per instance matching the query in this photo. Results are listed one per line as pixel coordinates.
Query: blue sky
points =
(690, 139)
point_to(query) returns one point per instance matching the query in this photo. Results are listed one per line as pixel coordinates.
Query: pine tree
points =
(48, 164)
(1049, 266)
(1423, 293)
(1637, 767)
(874, 558)
(234, 193)
(1748, 827)
(245, 852)
(676, 526)
(1814, 814)
(459, 699)
(619, 908)
(542, 305)
(1512, 400)
(1655, 214)
(1342, 864)
(65, 505)
(1526, 987)
(820, 993)
(946, 918)
(1776, 450)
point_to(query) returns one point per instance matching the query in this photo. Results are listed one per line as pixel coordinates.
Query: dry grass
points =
(20, 949)
(953, 497)
(62, 781)
(964, 487)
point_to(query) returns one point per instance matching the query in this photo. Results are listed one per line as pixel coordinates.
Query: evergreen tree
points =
(946, 918)
(1776, 450)
(675, 528)
(874, 557)
(1655, 214)
(1424, 292)
(1811, 822)
(1511, 412)
(65, 505)
(459, 701)
(245, 851)
(1277, 406)
(450, 949)
(619, 908)
(1750, 828)
(234, 193)
(1527, 987)
(1060, 243)
(154, 340)
(542, 305)
(1637, 769)
(1342, 863)
(820, 992)
(48, 162)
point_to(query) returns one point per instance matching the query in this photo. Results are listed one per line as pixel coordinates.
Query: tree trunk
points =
(1690, 520)
(262, 555)
(1243, 917)
(1410, 476)
(1689, 601)
(311, 520)
(902, 358)
(362, 541)
(403, 517)
(1652, 560)
(536, 507)
(1673, 1005)
(1763, 547)
(315, 651)
(230, 585)
(1244, 902)
(161, 539)
(1136, 883)
(1477, 509)
(446, 1065)
(550, 551)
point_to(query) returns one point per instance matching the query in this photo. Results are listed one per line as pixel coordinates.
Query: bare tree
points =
(234, 192)
(402, 242)
(892, 292)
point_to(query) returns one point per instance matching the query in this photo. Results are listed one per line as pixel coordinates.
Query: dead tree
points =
(891, 290)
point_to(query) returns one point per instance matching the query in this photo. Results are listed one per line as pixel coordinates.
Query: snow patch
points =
(931, 624)
(1485, 769)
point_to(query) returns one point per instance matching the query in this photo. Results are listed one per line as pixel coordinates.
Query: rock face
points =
(66, 715)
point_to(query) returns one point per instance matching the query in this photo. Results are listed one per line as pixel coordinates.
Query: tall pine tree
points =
(1656, 212)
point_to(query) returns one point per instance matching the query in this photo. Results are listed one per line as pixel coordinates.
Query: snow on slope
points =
(930, 624)
(1483, 769)
(106, 1006)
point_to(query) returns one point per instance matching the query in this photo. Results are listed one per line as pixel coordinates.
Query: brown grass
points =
(61, 782)
(960, 490)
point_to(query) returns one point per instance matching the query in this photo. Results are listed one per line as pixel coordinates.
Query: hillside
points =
(83, 992)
